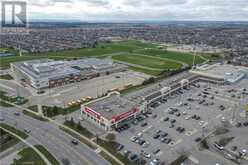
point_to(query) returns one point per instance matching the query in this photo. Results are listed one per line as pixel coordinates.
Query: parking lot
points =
(62, 95)
(177, 123)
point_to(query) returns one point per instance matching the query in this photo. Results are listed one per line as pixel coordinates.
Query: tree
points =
(110, 137)
(72, 121)
(55, 110)
(79, 125)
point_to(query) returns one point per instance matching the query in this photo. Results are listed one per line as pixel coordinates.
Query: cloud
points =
(140, 9)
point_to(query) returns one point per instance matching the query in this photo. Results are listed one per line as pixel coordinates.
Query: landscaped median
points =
(13, 99)
(7, 139)
(31, 152)
(28, 155)
(108, 155)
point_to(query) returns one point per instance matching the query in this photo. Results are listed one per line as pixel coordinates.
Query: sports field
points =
(140, 56)
(147, 61)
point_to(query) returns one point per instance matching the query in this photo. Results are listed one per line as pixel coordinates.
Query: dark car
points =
(178, 114)
(166, 119)
(173, 120)
(143, 124)
(120, 147)
(198, 139)
(238, 124)
(156, 136)
(167, 141)
(163, 134)
(156, 151)
(245, 124)
(198, 118)
(17, 113)
(74, 141)
(134, 157)
(154, 116)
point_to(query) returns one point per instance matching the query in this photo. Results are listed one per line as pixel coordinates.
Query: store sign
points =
(92, 113)
(124, 115)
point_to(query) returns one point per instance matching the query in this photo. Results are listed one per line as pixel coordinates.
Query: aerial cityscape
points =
(104, 82)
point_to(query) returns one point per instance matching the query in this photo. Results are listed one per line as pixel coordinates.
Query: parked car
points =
(166, 119)
(156, 151)
(173, 120)
(120, 147)
(198, 139)
(143, 124)
(156, 136)
(220, 147)
(154, 162)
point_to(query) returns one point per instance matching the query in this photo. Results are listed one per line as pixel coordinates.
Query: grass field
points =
(29, 156)
(133, 51)
(183, 57)
(14, 130)
(147, 61)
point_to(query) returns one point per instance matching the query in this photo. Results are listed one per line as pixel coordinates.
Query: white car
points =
(154, 162)
(139, 134)
(243, 152)
(133, 138)
(187, 117)
(201, 123)
(146, 144)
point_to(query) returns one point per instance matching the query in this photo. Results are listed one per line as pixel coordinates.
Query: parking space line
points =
(146, 129)
(218, 116)
(193, 159)
(205, 124)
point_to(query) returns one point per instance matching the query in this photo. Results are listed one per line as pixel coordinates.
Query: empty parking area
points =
(174, 125)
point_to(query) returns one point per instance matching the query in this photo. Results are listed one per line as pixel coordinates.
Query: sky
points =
(137, 10)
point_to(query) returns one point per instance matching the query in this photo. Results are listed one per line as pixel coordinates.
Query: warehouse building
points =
(221, 72)
(110, 112)
(47, 73)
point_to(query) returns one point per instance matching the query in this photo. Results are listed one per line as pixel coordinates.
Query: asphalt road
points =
(55, 140)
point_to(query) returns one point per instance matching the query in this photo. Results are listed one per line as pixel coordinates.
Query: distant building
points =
(221, 72)
(6, 54)
(47, 73)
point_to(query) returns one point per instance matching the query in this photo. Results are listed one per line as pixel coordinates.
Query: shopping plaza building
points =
(47, 73)
(113, 110)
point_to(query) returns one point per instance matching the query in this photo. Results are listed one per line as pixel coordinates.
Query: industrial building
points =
(221, 72)
(47, 73)
(111, 111)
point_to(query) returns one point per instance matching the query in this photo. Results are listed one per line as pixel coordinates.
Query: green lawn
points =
(28, 156)
(4, 104)
(147, 71)
(10, 141)
(47, 154)
(6, 77)
(147, 61)
(14, 130)
(178, 56)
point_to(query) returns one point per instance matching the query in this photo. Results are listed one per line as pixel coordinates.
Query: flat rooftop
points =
(112, 106)
(50, 69)
(221, 71)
